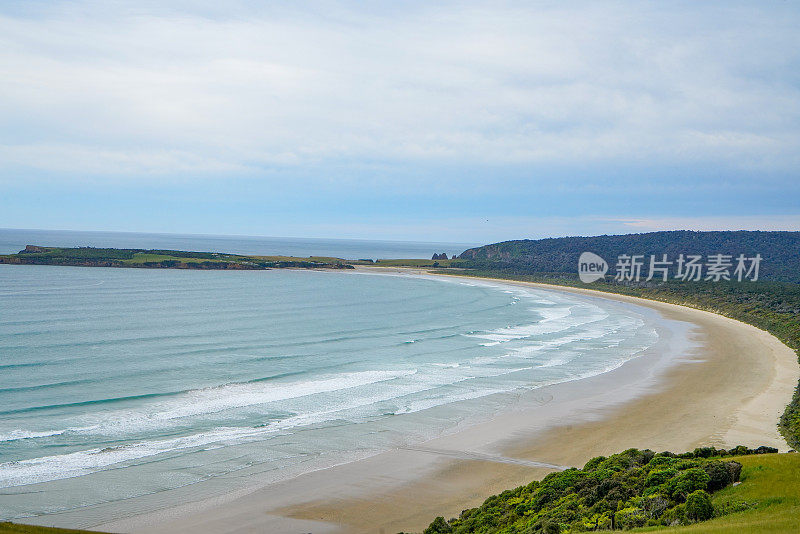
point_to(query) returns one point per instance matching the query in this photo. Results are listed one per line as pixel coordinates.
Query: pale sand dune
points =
(727, 390)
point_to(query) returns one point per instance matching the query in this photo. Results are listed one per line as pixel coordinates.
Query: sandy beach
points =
(726, 387)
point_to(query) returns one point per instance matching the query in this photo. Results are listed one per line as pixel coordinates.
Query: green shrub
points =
(439, 526)
(698, 506)
(691, 480)
(630, 517)
(721, 474)
(659, 476)
(627, 490)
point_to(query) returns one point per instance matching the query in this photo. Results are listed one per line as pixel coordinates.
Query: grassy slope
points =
(139, 258)
(771, 482)
(315, 259)
(419, 263)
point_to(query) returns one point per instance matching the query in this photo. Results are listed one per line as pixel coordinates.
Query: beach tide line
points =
(483, 457)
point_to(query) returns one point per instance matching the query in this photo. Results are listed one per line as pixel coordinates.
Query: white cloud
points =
(77, 159)
(135, 89)
(708, 223)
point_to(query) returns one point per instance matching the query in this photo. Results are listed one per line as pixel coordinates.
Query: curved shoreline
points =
(757, 419)
(646, 403)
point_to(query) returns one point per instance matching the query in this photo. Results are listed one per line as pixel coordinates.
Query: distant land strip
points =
(164, 259)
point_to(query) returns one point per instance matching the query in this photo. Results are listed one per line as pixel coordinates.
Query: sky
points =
(427, 121)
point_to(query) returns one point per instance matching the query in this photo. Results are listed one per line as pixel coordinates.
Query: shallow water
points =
(117, 383)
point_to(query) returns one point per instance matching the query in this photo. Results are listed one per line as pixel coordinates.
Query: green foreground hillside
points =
(770, 489)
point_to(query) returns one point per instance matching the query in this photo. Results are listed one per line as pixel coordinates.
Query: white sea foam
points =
(79, 463)
(204, 402)
(19, 434)
(554, 320)
(214, 400)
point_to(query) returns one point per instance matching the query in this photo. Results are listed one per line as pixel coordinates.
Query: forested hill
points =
(780, 250)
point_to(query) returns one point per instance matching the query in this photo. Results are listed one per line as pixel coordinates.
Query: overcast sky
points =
(463, 121)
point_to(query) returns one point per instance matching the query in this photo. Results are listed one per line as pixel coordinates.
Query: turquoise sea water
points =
(117, 383)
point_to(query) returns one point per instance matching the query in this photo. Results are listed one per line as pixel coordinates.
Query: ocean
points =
(118, 384)
(12, 241)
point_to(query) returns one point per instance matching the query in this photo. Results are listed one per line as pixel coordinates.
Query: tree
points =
(687, 482)
(630, 517)
(722, 474)
(698, 506)
(439, 526)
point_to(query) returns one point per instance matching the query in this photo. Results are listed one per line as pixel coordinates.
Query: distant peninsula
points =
(164, 259)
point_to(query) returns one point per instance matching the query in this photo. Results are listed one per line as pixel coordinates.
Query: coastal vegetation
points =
(444, 263)
(706, 490)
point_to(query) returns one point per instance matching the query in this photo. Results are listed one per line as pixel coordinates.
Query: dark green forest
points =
(780, 250)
